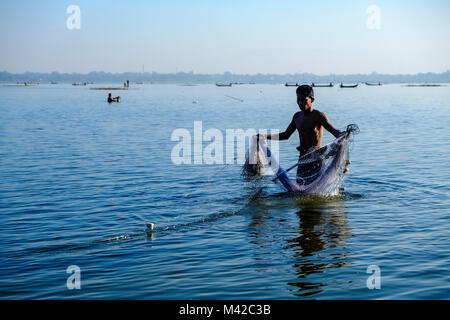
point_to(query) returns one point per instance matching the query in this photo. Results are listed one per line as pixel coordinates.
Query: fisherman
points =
(309, 123)
(111, 99)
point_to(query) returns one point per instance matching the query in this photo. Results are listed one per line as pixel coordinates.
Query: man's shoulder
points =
(297, 114)
(319, 113)
(316, 111)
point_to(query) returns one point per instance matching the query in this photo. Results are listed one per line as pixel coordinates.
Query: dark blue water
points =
(80, 178)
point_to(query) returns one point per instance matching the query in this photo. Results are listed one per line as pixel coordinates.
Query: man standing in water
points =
(309, 123)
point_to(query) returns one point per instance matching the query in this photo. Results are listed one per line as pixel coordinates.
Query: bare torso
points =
(309, 126)
(309, 129)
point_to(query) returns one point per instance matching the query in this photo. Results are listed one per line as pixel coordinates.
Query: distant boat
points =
(290, 85)
(322, 85)
(349, 85)
(53, 82)
(373, 84)
(79, 84)
(27, 84)
(224, 84)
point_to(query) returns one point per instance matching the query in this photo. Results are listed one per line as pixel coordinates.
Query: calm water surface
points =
(79, 179)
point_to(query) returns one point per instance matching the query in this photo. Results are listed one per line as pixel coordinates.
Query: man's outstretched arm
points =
(281, 136)
(327, 125)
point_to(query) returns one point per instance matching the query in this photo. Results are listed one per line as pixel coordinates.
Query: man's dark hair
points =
(305, 90)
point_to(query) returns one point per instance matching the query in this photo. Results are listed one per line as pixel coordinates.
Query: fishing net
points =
(255, 160)
(352, 128)
(320, 171)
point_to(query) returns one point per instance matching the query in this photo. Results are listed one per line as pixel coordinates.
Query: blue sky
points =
(320, 37)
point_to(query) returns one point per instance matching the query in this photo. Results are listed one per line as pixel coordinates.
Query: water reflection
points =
(320, 244)
(315, 248)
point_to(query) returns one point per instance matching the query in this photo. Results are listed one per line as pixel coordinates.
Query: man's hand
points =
(260, 136)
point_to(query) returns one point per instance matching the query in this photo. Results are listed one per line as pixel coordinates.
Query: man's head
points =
(109, 95)
(305, 97)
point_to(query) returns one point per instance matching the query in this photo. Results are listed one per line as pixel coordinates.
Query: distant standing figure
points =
(111, 99)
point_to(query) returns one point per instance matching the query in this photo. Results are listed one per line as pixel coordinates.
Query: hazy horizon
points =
(223, 73)
(251, 37)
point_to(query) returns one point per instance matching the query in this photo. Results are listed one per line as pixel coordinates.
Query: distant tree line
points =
(227, 77)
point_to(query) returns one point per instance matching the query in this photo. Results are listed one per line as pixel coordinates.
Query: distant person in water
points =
(111, 99)
(309, 123)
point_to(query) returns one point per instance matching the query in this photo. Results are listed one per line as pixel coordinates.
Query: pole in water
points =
(150, 226)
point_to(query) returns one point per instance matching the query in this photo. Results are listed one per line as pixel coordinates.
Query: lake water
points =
(80, 178)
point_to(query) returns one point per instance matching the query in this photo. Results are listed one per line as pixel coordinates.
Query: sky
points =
(245, 37)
